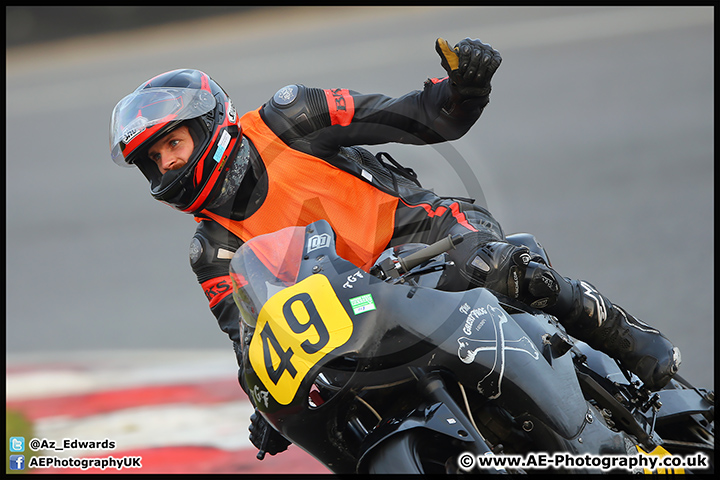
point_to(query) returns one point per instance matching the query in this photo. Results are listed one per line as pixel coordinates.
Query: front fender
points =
(434, 418)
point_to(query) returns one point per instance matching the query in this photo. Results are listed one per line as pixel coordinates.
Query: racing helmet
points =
(163, 103)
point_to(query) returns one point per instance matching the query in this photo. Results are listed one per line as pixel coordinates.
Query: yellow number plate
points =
(296, 328)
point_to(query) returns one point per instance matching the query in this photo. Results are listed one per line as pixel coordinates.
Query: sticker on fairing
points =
(318, 241)
(362, 304)
(296, 328)
(222, 145)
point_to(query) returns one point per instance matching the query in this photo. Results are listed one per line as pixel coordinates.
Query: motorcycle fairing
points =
(315, 323)
(311, 324)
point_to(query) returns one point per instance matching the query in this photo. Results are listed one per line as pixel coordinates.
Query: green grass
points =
(17, 425)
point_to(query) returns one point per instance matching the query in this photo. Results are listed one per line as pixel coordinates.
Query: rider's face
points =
(173, 150)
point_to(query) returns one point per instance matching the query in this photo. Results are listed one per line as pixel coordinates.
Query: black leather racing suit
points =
(434, 114)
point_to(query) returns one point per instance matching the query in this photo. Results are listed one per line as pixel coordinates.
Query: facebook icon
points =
(17, 462)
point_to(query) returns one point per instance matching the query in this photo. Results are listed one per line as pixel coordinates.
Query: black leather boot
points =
(590, 317)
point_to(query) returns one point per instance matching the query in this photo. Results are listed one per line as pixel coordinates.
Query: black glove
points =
(266, 438)
(541, 287)
(470, 65)
(498, 266)
(503, 266)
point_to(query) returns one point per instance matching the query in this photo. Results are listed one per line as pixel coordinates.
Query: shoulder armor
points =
(285, 97)
(296, 111)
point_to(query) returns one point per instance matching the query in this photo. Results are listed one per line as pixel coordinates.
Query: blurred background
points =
(598, 140)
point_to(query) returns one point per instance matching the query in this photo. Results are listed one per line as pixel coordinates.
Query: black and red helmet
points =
(158, 106)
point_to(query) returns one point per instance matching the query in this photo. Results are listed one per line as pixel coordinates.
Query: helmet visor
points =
(146, 108)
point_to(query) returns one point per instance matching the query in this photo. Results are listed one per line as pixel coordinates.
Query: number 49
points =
(270, 341)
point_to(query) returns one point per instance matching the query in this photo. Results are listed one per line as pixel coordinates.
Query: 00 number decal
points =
(297, 327)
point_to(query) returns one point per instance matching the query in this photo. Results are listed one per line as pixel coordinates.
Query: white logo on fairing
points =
(490, 384)
(472, 315)
(352, 279)
(260, 395)
(318, 241)
(599, 302)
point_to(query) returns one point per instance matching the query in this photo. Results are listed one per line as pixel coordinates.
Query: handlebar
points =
(441, 246)
(394, 268)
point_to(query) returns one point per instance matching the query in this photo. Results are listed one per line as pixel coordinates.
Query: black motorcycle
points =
(380, 372)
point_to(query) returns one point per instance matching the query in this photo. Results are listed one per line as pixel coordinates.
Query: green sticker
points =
(363, 303)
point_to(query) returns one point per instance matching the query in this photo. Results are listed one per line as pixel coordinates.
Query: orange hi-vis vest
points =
(303, 189)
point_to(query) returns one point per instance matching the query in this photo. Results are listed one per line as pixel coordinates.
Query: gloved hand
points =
(470, 65)
(266, 438)
(541, 287)
(504, 267)
(498, 266)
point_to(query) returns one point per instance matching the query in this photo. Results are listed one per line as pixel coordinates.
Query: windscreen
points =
(263, 266)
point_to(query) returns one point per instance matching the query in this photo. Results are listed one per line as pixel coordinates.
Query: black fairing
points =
(502, 356)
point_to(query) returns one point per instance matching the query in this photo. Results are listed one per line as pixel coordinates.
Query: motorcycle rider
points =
(295, 160)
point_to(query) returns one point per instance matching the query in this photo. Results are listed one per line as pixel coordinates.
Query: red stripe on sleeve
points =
(217, 288)
(440, 211)
(341, 105)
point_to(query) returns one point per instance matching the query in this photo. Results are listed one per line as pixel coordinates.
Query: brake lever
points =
(396, 267)
(263, 445)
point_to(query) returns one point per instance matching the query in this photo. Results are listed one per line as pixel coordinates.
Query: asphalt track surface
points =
(598, 139)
